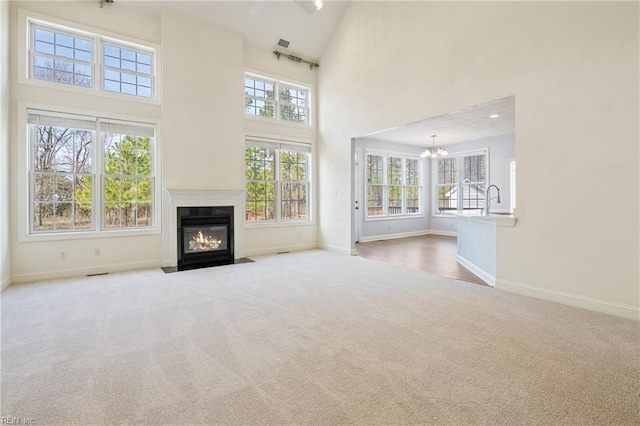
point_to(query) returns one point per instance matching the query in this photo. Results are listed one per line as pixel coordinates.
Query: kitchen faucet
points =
(487, 199)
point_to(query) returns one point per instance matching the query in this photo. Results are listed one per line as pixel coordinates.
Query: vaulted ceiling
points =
(264, 22)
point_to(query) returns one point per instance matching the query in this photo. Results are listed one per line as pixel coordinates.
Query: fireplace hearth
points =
(204, 236)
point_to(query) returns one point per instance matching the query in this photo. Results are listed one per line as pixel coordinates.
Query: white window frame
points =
(28, 19)
(25, 196)
(279, 145)
(385, 215)
(278, 85)
(459, 156)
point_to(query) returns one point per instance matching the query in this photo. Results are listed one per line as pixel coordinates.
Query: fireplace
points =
(204, 236)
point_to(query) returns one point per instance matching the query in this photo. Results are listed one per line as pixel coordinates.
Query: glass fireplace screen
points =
(198, 239)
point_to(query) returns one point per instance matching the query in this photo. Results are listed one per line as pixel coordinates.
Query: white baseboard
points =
(5, 283)
(281, 249)
(480, 273)
(393, 236)
(77, 272)
(604, 306)
(339, 250)
(445, 233)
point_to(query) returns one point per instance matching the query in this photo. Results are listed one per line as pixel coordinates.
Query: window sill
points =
(279, 122)
(88, 91)
(273, 224)
(398, 217)
(87, 235)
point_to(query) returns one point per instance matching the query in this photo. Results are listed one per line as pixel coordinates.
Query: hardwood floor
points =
(431, 253)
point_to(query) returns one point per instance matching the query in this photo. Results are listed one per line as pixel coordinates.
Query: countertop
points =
(497, 219)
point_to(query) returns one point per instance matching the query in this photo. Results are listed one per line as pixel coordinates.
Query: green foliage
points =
(127, 182)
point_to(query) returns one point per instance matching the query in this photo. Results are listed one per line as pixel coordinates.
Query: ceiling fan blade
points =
(306, 5)
(257, 7)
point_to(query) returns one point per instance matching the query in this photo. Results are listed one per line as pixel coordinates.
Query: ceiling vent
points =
(284, 43)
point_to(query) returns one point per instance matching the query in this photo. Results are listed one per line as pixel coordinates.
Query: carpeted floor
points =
(309, 338)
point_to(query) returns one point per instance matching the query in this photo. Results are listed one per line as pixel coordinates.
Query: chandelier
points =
(434, 152)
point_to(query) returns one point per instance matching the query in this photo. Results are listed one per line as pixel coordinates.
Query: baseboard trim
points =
(5, 283)
(76, 272)
(393, 236)
(598, 305)
(281, 249)
(335, 249)
(480, 273)
(444, 233)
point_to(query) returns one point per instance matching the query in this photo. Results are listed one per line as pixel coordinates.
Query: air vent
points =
(284, 43)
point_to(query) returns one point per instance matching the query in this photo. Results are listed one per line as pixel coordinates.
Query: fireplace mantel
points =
(174, 198)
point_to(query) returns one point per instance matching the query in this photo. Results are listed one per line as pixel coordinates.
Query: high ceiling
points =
(468, 124)
(264, 22)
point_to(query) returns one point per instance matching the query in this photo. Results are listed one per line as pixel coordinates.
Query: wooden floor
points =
(431, 253)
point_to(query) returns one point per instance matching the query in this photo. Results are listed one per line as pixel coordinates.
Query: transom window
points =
(277, 177)
(61, 57)
(127, 71)
(461, 182)
(68, 56)
(393, 184)
(291, 103)
(80, 184)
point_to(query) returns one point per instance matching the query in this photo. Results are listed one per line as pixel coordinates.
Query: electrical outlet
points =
(63, 254)
(97, 252)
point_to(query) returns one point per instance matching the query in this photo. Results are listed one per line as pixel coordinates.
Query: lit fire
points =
(201, 242)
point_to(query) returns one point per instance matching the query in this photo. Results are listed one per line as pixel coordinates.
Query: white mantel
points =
(174, 198)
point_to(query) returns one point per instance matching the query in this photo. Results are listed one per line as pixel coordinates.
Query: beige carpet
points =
(309, 338)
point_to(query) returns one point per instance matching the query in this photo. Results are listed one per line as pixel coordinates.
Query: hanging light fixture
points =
(434, 152)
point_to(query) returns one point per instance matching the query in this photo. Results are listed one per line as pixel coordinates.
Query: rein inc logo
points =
(17, 421)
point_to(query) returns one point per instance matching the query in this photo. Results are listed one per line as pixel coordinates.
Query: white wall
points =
(573, 68)
(501, 149)
(5, 254)
(202, 109)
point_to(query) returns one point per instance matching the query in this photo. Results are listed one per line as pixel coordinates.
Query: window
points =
(64, 55)
(66, 160)
(259, 97)
(277, 179)
(461, 181)
(127, 71)
(393, 185)
(512, 185)
(61, 57)
(291, 104)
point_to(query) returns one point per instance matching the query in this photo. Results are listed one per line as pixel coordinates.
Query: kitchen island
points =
(477, 243)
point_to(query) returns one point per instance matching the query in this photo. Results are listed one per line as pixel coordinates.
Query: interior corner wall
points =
(5, 253)
(573, 68)
(202, 113)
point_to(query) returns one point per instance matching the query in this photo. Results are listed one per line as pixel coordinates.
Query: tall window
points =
(68, 56)
(291, 103)
(393, 184)
(277, 177)
(128, 178)
(62, 173)
(66, 161)
(461, 182)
